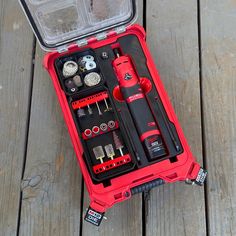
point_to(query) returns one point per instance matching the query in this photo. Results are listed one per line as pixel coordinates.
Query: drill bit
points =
(107, 107)
(99, 110)
(118, 143)
(99, 153)
(110, 151)
(90, 111)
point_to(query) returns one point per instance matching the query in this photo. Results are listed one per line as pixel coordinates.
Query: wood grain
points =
(16, 43)
(218, 20)
(125, 218)
(172, 32)
(52, 180)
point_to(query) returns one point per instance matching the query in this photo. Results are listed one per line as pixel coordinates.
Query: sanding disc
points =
(70, 68)
(92, 79)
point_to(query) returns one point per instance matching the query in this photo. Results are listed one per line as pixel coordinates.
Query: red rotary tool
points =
(138, 106)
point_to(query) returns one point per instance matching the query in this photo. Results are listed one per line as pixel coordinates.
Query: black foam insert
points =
(127, 131)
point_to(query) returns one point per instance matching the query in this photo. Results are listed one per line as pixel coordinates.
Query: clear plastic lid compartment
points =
(58, 21)
(107, 11)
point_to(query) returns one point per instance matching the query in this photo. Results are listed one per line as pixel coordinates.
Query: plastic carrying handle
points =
(147, 186)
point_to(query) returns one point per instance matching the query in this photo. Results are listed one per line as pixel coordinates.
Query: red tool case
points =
(95, 110)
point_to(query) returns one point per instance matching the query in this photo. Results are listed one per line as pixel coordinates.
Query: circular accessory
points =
(96, 130)
(70, 85)
(73, 90)
(111, 124)
(105, 56)
(70, 68)
(82, 69)
(77, 80)
(92, 79)
(90, 65)
(103, 127)
(88, 58)
(88, 133)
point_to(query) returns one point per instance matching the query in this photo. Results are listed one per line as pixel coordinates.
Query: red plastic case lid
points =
(57, 23)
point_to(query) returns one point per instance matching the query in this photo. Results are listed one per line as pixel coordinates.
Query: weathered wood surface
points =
(172, 34)
(219, 106)
(48, 200)
(52, 181)
(16, 43)
(123, 219)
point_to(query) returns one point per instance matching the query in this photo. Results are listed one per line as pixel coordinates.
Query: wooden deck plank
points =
(52, 180)
(16, 43)
(218, 20)
(125, 218)
(172, 33)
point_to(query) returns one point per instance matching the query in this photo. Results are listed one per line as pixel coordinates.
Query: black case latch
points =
(93, 217)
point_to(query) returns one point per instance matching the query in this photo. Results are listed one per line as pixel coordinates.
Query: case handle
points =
(147, 186)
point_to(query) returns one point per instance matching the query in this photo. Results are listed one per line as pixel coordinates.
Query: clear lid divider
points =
(58, 22)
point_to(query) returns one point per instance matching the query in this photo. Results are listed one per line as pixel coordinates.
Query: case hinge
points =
(62, 49)
(82, 42)
(101, 36)
(120, 30)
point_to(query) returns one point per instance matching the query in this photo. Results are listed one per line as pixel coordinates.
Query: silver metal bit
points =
(118, 144)
(110, 151)
(107, 107)
(99, 110)
(90, 111)
(99, 153)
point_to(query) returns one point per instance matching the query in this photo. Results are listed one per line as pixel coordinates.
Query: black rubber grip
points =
(147, 186)
(139, 110)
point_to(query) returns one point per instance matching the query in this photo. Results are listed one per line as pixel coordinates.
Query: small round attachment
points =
(103, 127)
(81, 113)
(105, 55)
(70, 85)
(82, 69)
(96, 130)
(90, 65)
(88, 58)
(88, 133)
(70, 68)
(77, 80)
(111, 124)
(81, 62)
(92, 79)
(73, 90)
